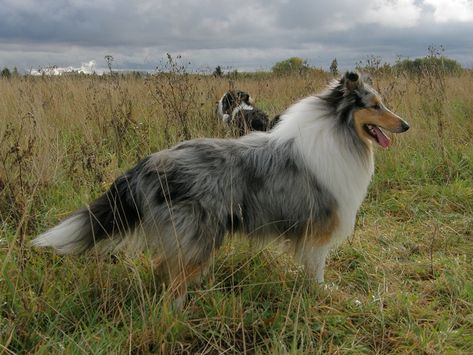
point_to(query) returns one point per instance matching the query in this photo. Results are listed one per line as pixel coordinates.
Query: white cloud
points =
(393, 13)
(343, 15)
(452, 10)
(244, 34)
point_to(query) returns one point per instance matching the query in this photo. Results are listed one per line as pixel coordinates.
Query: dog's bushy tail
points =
(110, 216)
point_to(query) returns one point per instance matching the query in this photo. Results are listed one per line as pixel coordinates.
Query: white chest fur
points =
(338, 168)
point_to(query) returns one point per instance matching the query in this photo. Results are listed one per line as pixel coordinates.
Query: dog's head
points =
(359, 106)
(231, 100)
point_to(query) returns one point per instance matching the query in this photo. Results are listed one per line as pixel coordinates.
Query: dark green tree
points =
(218, 72)
(334, 67)
(5, 73)
(294, 65)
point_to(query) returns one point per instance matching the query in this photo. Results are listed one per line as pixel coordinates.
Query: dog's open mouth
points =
(378, 135)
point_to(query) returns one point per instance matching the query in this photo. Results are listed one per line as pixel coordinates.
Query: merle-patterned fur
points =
(310, 170)
(251, 195)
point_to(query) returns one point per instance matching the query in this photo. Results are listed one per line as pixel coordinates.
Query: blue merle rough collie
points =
(302, 182)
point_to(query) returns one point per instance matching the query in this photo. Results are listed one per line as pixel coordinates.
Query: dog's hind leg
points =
(179, 275)
(187, 249)
(180, 282)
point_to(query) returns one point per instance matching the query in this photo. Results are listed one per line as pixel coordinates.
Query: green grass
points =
(402, 283)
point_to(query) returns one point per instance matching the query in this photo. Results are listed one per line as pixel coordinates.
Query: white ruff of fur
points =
(220, 107)
(66, 237)
(227, 118)
(329, 158)
(241, 107)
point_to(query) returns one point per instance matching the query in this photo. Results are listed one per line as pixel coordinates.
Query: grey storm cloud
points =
(248, 34)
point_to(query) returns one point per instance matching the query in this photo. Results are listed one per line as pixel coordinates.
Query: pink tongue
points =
(382, 139)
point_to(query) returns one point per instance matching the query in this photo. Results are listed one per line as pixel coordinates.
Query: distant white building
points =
(85, 68)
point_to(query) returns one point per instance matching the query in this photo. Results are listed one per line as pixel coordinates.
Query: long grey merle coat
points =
(302, 182)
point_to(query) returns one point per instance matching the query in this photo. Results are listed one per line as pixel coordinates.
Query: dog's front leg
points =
(314, 259)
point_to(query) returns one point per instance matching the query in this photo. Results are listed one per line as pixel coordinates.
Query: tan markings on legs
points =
(321, 233)
(313, 248)
(179, 282)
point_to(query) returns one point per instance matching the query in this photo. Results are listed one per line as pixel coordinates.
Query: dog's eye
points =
(376, 107)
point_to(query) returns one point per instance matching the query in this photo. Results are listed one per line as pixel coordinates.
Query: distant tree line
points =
(7, 74)
(429, 63)
(434, 61)
(293, 65)
(372, 64)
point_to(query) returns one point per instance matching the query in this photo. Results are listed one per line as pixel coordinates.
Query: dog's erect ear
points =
(229, 98)
(351, 80)
(243, 96)
(366, 79)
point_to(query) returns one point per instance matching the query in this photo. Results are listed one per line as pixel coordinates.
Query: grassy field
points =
(403, 282)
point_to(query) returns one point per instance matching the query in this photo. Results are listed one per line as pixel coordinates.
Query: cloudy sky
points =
(237, 34)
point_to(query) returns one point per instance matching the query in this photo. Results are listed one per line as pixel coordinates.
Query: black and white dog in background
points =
(236, 108)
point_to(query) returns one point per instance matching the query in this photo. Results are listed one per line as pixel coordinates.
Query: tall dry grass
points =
(402, 283)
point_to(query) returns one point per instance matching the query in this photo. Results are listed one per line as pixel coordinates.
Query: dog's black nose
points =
(405, 126)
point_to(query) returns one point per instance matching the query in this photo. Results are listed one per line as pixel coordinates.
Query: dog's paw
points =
(179, 303)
